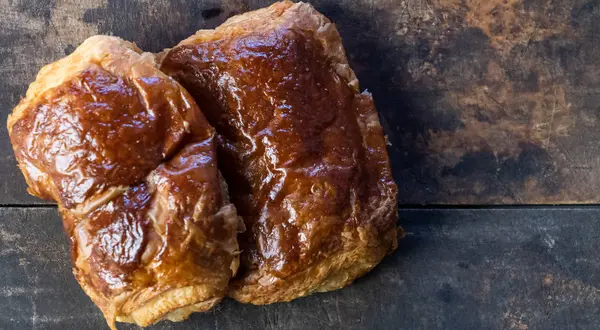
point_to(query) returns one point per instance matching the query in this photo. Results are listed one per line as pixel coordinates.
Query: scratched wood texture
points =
(483, 101)
(458, 269)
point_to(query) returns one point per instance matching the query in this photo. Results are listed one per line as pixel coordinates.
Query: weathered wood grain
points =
(457, 269)
(483, 101)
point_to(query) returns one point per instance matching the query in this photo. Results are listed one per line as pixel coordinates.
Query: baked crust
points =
(302, 149)
(131, 161)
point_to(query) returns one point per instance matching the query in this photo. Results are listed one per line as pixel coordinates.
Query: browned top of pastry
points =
(301, 148)
(97, 126)
(131, 161)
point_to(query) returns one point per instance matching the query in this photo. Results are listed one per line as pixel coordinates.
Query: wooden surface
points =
(459, 269)
(483, 101)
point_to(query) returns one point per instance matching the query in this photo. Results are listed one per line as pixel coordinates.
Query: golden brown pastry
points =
(130, 160)
(301, 148)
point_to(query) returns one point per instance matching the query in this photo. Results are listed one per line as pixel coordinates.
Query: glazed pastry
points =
(130, 160)
(300, 146)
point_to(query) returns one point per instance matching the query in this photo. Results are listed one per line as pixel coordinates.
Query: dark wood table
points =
(492, 110)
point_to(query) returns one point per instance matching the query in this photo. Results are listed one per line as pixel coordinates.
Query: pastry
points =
(300, 146)
(130, 160)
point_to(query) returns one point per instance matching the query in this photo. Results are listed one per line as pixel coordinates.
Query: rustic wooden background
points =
(459, 269)
(483, 101)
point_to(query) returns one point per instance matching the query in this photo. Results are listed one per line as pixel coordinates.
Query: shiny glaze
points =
(197, 241)
(110, 240)
(85, 135)
(144, 143)
(301, 170)
(163, 233)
